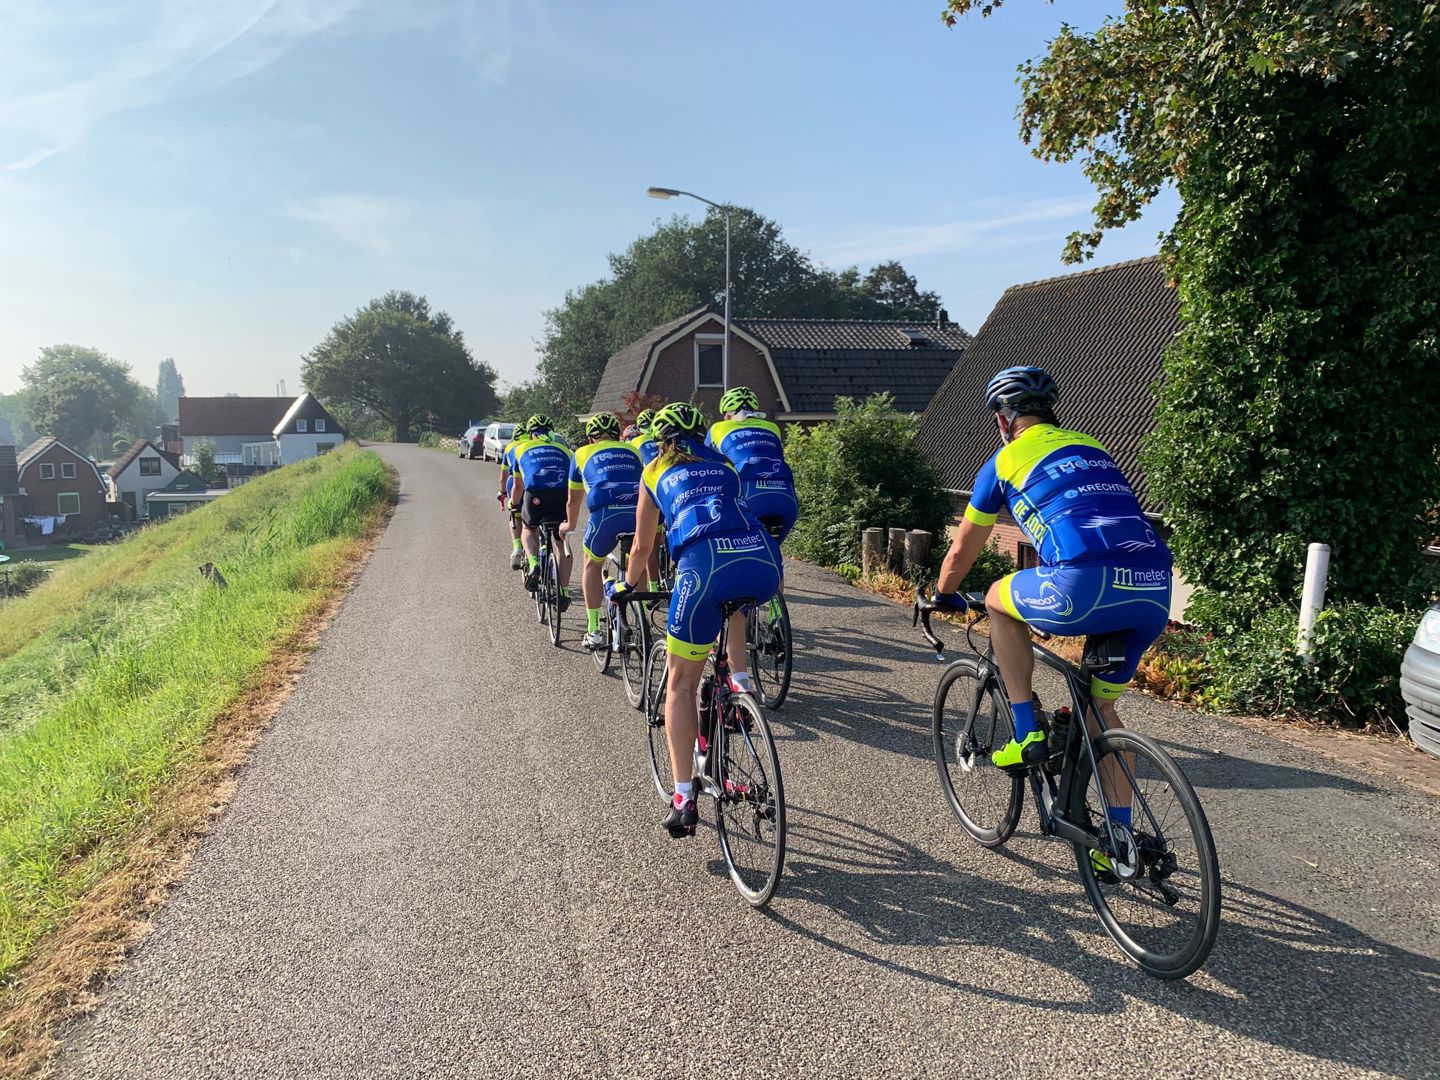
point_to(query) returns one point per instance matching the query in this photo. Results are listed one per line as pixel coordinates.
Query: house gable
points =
(1101, 333)
(306, 408)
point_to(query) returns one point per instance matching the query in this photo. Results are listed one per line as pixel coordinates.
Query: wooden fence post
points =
(896, 556)
(917, 550)
(872, 551)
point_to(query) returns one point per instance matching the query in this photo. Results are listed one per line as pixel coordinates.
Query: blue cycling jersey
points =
(755, 447)
(646, 447)
(542, 464)
(609, 472)
(698, 499)
(1069, 497)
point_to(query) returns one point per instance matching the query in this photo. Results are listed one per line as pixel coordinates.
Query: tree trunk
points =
(917, 551)
(896, 557)
(872, 551)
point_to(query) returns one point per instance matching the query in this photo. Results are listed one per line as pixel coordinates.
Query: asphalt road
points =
(443, 860)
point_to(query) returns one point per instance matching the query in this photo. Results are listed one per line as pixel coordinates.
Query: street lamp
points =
(670, 193)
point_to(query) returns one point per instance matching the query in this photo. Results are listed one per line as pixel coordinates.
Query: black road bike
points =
(770, 644)
(735, 764)
(627, 633)
(1157, 888)
(547, 589)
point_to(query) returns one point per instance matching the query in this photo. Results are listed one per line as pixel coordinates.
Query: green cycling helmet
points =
(676, 419)
(538, 423)
(643, 419)
(521, 432)
(604, 424)
(738, 398)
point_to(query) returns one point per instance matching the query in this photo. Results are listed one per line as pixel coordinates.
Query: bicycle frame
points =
(1053, 796)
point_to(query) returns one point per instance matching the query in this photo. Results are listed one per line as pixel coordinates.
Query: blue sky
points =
(220, 181)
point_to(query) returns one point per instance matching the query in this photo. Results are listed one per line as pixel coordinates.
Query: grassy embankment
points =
(114, 673)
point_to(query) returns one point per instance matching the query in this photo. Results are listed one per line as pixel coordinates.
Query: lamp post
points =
(670, 193)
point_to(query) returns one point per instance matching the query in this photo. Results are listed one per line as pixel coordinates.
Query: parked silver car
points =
(1420, 682)
(496, 438)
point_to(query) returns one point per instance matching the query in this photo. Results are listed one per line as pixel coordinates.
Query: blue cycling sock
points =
(1120, 815)
(1024, 719)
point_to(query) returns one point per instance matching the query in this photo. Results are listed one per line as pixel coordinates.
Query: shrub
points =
(432, 439)
(1354, 679)
(861, 470)
(26, 576)
(849, 571)
(990, 566)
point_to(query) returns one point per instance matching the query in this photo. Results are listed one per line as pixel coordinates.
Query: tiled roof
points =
(34, 450)
(200, 416)
(819, 360)
(135, 450)
(9, 472)
(624, 370)
(1100, 332)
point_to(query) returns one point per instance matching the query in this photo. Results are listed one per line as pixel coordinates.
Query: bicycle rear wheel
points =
(552, 599)
(634, 653)
(539, 594)
(601, 654)
(750, 812)
(657, 670)
(1166, 915)
(971, 721)
(771, 652)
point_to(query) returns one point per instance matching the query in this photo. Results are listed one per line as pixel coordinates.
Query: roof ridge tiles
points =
(1089, 272)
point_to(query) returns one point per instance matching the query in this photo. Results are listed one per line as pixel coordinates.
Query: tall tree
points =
(1299, 400)
(79, 395)
(169, 389)
(398, 360)
(15, 426)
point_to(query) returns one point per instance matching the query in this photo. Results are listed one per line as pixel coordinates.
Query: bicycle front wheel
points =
(657, 670)
(771, 654)
(971, 721)
(1161, 903)
(750, 812)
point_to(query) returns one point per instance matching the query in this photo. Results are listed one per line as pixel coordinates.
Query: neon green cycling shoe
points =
(1028, 751)
(1103, 867)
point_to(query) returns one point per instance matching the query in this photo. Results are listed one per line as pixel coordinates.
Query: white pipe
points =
(1312, 596)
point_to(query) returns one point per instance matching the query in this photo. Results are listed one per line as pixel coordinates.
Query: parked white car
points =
(496, 437)
(1420, 682)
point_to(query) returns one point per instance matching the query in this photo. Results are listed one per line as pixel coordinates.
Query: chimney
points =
(9, 473)
(942, 318)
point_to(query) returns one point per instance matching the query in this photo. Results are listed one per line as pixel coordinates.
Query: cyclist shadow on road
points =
(1281, 973)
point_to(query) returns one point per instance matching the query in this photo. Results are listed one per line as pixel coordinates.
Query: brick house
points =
(61, 488)
(1102, 334)
(797, 367)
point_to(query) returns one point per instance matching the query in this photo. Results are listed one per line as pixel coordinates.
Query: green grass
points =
(113, 673)
(58, 553)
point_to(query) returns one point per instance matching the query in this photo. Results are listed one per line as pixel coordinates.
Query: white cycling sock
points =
(686, 791)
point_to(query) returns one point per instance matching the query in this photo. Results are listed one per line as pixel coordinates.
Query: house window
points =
(324, 447)
(149, 466)
(709, 361)
(67, 502)
(300, 425)
(1025, 556)
(319, 427)
(67, 470)
(47, 471)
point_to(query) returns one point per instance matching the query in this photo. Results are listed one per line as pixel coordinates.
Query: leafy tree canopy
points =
(80, 396)
(400, 361)
(680, 267)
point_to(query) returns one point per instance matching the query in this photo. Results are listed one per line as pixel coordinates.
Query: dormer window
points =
(301, 426)
(319, 427)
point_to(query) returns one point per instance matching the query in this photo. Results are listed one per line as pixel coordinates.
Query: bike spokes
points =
(750, 808)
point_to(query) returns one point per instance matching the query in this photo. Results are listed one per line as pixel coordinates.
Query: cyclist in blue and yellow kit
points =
(638, 435)
(605, 475)
(507, 466)
(1103, 569)
(721, 554)
(539, 486)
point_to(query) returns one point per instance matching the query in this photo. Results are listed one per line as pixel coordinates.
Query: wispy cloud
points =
(485, 31)
(65, 65)
(367, 222)
(901, 242)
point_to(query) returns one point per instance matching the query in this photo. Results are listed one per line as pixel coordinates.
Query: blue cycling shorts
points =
(712, 571)
(1084, 600)
(605, 527)
(771, 499)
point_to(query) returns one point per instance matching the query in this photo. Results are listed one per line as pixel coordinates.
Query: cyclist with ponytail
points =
(721, 554)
